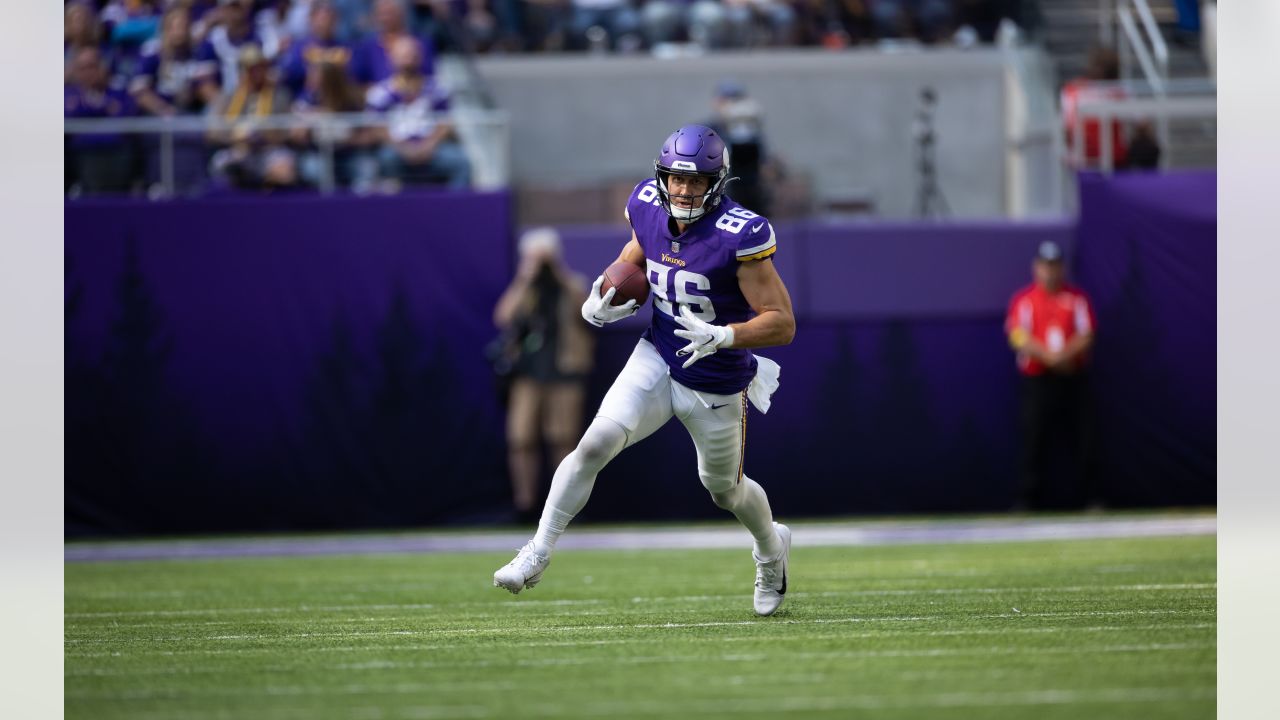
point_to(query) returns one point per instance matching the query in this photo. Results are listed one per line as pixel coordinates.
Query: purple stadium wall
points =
(295, 363)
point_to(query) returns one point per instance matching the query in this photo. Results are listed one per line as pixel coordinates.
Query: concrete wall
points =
(845, 119)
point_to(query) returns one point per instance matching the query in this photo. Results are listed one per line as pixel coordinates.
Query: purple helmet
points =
(698, 151)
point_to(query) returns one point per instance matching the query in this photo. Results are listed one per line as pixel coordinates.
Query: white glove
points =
(597, 310)
(704, 338)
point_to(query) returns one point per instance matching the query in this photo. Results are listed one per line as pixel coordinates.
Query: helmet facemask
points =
(717, 180)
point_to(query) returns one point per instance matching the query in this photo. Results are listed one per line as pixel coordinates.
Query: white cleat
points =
(523, 572)
(771, 577)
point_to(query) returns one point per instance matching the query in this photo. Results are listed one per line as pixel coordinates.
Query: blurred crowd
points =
(240, 61)
(244, 59)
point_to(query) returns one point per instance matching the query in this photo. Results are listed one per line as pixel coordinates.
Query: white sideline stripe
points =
(647, 626)
(631, 641)
(1033, 697)
(516, 604)
(761, 706)
(805, 535)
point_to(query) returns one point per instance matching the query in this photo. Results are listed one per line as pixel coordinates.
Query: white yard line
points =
(808, 638)
(512, 603)
(758, 623)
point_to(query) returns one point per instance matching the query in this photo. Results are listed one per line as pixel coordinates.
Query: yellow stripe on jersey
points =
(758, 256)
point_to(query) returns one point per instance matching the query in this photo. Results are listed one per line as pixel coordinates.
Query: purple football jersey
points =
(699, 269)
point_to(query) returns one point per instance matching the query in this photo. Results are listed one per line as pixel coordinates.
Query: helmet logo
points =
(683, 165)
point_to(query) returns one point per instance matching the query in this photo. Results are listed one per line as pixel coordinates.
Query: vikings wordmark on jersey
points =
(699, 269)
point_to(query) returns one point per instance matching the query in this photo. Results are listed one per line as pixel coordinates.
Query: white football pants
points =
(642, 399)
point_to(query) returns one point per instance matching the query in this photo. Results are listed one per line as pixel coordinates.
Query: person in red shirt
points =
(1051, 326)
(1098, 83)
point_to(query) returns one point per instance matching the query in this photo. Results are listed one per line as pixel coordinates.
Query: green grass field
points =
(1075, 629)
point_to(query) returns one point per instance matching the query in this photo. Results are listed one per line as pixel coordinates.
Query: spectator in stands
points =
(371, 62)
(271, 22)
(437, 20)
(662, 21)
(353, 20)
(982, 17)
(249, 151)
(478, 25)
(537, 25)
(1103, 69)
(1144, 148)
(168, 79)
(600, 24)
(737, 119)
(760, 22)
(548, 354)
(128, 25)
(330, 90)
(421, 147)
(320, 45)
(205, 16)
(1187, 31)
(295, 17)
(131, 22)
(81, 29)
(103, 162)
(926, 20)
(719, 24)
(833, 24)
(219, 54)
(1051, 326)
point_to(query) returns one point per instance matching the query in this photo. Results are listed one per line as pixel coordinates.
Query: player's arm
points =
(632, 252)
(775, 322)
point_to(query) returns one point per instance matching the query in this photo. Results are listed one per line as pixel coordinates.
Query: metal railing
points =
(1190, 99)
(484, 135)
(1128, 14)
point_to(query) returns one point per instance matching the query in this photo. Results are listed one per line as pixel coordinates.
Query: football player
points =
(716, 296)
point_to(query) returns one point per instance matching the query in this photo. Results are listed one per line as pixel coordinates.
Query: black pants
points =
(1058, 441)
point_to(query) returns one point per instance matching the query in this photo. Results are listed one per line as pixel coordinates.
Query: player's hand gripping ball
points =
(624, 288)
(630, 281)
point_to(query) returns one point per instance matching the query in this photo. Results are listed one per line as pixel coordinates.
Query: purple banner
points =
(282, 362)
(1148, 257)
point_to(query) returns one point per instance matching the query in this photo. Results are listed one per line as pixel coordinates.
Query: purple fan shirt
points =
(81, 102)
(172, 78)
(410, 117)
(311, 51)
(370, 64)
(699, 269)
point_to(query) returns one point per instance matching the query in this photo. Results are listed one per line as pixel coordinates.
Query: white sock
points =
(748, 502)
(574, 479)
(756, 514)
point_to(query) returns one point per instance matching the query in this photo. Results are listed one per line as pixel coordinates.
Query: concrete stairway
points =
(1069, 29)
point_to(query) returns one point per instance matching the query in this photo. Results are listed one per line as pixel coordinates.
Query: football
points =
(629, 279)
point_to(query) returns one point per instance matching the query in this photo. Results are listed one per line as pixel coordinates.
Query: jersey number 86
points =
(681, 284)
